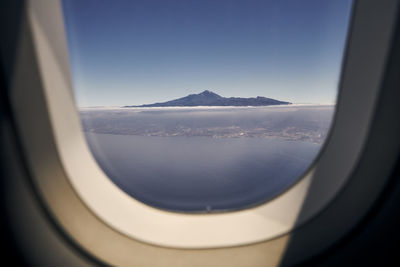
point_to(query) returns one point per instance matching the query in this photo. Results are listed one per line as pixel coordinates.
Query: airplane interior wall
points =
(30, 236)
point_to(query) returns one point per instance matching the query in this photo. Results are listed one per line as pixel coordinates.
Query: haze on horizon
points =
(138, 52)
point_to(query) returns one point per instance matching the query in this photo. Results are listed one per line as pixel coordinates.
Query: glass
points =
(206, 106)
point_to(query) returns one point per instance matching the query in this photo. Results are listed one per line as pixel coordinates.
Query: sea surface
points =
(200, 173)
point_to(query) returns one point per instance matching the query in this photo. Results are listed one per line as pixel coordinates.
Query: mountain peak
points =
(208, 93)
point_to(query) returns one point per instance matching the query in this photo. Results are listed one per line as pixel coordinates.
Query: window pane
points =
(203, 106)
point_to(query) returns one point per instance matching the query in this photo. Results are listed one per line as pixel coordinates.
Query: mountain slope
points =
(208, 98)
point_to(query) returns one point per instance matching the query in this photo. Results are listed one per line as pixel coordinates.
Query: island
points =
(208, 98)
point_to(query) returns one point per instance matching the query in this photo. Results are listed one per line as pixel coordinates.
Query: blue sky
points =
(127, 52)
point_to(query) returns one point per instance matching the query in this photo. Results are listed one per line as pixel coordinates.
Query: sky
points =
(132, 52)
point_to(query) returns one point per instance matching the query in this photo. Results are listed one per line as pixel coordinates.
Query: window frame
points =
(59, 180)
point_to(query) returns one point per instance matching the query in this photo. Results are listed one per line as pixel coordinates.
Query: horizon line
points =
(133, 107)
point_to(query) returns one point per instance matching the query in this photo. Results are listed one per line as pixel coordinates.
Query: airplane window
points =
(206, 106)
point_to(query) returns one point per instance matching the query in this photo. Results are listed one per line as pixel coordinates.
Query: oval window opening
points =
(205, 106)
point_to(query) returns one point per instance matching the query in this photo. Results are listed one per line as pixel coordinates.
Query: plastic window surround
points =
(365, 59)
